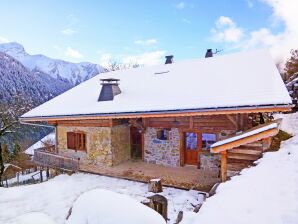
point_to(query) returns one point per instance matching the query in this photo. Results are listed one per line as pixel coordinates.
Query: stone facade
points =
(209, 161)
(120, 144)
(105, 145)
(163, 152)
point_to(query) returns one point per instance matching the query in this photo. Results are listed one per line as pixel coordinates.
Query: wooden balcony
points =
(47, 157)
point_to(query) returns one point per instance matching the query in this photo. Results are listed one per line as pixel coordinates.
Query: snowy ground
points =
(54, 198)
(267, 193)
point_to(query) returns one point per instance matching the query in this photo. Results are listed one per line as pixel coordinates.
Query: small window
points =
(162, 134)
(76, 140)
(207, 140)
(191, 140)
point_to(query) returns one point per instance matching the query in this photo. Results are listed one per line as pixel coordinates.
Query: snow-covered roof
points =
(235, 80)
(253, 131)
(41, 143)
(244, 135)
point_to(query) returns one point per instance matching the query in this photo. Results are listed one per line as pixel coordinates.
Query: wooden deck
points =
(188, 177)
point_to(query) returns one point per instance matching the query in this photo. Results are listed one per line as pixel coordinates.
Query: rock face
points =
(74, 73)
(162, 152)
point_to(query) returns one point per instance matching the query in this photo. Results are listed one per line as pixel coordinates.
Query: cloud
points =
(283, 11)
(147, 42)
(72, 53)
(105, 59)
(3, 40)
(250, 3)
(226, 30)
(147, 58)
(180, 5)
(68, 31)
(186, 21)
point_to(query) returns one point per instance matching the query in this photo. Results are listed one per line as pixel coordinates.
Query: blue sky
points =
(143, 31)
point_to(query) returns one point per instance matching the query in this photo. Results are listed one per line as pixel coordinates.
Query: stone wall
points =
(163, 152)
(209, 161)
(98, 144)
(120, 143)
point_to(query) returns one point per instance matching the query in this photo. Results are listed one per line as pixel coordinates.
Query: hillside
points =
(34, 86)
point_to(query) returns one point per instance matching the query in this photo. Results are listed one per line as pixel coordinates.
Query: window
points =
(162, 134)
(76, 140)
(191, 140)
(207, 140)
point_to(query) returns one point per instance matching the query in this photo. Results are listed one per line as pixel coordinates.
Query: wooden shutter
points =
(71, 140)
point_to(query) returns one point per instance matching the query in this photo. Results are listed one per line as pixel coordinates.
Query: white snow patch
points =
(56, 196)
(34, 217)
(107, 207)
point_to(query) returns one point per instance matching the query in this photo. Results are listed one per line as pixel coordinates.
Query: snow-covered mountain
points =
(36, 86)
(75, 73)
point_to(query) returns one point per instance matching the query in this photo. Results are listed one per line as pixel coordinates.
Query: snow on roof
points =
(245, 134)
(7, 165)
(48, 138)
(242, 79)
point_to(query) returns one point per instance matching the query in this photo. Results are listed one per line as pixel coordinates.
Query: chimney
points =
(109, 89)
(169, 59)
(209, 53)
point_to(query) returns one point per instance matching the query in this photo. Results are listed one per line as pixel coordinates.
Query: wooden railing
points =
(47, 157)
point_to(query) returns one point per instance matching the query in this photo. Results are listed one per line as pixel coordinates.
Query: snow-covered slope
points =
(73, 72)
(266, 193)
(56, 196)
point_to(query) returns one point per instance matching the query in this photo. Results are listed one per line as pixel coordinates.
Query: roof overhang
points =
(255, 134)
(167, 113)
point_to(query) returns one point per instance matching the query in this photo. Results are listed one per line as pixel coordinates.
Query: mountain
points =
(34, 86)
(75, 73)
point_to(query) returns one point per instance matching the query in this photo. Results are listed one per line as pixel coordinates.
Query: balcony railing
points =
(47, 157)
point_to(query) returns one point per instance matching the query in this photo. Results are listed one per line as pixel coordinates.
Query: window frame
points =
(167, 130)
(207, 132)
(79, 141)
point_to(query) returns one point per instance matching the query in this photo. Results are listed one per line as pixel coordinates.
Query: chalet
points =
(202, 114)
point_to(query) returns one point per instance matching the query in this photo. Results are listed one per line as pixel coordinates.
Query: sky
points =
(131, 31)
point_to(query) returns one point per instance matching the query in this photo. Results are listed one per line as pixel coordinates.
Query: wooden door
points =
(136, 143)
(191, 148)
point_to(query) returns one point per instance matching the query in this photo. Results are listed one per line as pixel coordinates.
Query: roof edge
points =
(166, 113)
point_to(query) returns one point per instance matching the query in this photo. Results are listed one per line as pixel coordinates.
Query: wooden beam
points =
(190, 122)
(148, 115)
(223, 166)
(246, 140)
(232, 120)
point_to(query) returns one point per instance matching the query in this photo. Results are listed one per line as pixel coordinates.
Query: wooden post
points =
(223, 166)
(47, 173)
(18, 178)
(155, 186)
(40, 173)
